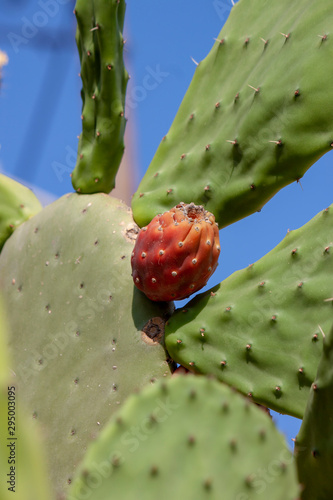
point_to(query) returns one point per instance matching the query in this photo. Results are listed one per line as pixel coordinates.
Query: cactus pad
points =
(104, 80)
(76, 318)
(258, 330)
(22, 465)
(314, 443)
(247, 126)
(175, 255)
(190, 438)
(17, 204)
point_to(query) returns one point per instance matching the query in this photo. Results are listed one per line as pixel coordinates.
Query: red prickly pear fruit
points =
(175, 255)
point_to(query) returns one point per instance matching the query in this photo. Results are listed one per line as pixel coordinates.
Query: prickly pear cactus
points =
(104, 80)
(175, 255)
(83, 337)
(17, 204)
(21, 452)
(246, 126)
(314, 443)
(191, 438)
(87, 347)
(258, 330)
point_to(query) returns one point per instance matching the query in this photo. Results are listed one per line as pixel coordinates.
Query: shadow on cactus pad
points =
(76, 341)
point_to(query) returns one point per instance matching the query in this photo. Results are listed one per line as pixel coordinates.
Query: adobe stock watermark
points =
(30, 26)
(66, 168)
(132, 438)
(267, 136)
(267, 475)
(130, 441)
(222, 8)
(151, 81)
(263, 307)
(56, 344)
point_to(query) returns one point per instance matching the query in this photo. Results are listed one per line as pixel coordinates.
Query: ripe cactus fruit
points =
(79, 342)
(17, 204)
(175, 255)
(188, 438)
(258, 329)
(247, 127)
(314, 442)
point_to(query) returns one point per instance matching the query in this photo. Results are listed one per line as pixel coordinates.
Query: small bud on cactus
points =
(175, 255)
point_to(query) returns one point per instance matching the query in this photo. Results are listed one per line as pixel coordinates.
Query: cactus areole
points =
(175, 255)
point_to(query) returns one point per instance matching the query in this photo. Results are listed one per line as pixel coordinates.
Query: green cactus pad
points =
(22, 466)
(104, 80)
(17, 204)
(314, 443)
(76, 319)
(258, 329)
(190, 438)
(257, 115)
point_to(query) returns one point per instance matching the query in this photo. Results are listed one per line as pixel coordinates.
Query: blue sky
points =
(40, 110)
